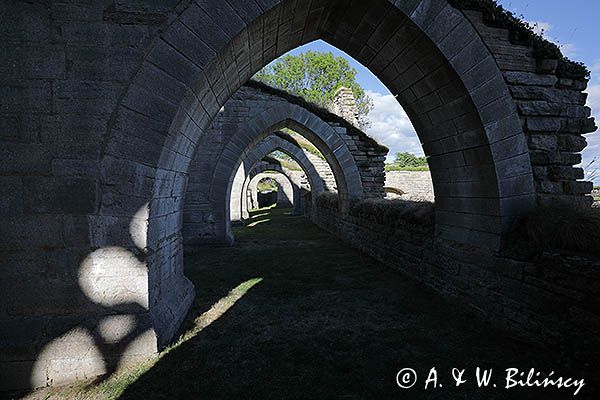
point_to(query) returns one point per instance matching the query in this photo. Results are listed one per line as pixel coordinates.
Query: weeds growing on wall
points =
(394, 212)
(328, 200)
(384, 211)
(562, 228)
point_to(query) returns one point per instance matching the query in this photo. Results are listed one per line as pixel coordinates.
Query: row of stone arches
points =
(291, 188)
(151, 130)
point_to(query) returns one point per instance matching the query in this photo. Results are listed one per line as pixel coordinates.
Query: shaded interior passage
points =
(324, 321)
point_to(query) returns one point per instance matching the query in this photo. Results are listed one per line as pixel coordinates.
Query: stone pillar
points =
(344, 105)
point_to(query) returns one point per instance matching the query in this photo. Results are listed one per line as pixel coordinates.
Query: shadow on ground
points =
(327, 322)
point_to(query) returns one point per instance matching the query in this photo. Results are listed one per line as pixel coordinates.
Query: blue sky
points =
(572, 24)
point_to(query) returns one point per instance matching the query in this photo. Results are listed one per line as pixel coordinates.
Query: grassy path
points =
(289, 312)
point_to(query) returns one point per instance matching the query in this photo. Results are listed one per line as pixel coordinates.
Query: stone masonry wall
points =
(553, 114)
(368, 154)
(344, 105)
(321, 165)
(89, 93)
(415, 185)
(250, 100)
(552, 302)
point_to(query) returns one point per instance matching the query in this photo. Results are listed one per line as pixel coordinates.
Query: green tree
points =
(404, 159)
(316, 76)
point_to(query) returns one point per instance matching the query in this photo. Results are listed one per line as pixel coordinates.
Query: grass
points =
(563, 228)
(394, 167)
(289, 312)
(267, 185)
(395, 212)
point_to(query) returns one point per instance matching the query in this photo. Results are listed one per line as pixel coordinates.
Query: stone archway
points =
(321, 134)
(254, 112)
(265, 147)
(427, 53)
(286, 190)
(249, 197)
(144, 126)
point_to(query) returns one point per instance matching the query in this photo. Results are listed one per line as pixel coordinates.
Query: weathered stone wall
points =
(320, 165)
(553, 114)
(415, 185)
(324, 171)
(344, 105)
(104, 104)
(202, 220)
(553, 301)
(285, 189)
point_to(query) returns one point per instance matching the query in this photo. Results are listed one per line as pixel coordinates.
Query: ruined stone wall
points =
(324, 171)
(415, 185)
(199, 220)
(553, 301)
(103, 104)
(553, 114)
(344, 105)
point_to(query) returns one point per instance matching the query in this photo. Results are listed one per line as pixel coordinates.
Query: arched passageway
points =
(286, 191)
(264, 148)
(427, 53)
(221, 167)
(249, 196)
(99, 215)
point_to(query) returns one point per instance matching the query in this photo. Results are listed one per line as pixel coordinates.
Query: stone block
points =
(26, 96)
(571, 143)
(528, 78)
(33, 62)
(543, 142)
(59, 195)
(577, 187)
(545, 186)
(11, 195)
(567, 158)
(540, 108)
(85, 97)
(549, 125)
(565, 172)
(539, 157)
(540, 173)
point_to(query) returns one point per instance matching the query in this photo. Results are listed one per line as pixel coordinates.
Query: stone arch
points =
(205, 218)
(299, 119)
(249, 190)
(265, 147)
(427, 53)
(285, 187)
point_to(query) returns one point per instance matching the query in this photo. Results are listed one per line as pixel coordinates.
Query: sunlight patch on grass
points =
(259, 215)
(216, 311)
(260, 221)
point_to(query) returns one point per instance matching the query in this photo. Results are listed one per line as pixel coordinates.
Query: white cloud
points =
(540, 27)
(592, 151)
(543, 28)
(390, 125)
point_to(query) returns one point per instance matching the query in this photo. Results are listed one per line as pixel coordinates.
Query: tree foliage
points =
(404, 159)
(316, 76)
